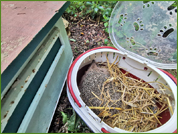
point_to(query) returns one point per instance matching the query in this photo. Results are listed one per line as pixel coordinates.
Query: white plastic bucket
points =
(138, 68)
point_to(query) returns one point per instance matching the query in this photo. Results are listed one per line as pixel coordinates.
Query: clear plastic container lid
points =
(146, 30)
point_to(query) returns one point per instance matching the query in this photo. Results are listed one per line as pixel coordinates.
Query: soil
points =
(84, 34)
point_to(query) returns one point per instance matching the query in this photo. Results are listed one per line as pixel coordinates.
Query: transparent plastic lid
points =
(146, 30)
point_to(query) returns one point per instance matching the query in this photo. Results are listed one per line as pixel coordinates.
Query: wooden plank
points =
(20, 22)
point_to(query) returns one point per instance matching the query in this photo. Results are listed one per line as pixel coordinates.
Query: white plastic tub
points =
(138, 68)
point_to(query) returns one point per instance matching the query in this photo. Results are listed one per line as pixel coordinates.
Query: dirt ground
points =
(83, 35)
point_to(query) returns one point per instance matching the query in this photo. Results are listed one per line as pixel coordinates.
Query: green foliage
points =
(73, 40)
(64, 117)
(74, 123)
(111, 45)
(105, 41)
(87, 41)
(93, 9)
(75, 49)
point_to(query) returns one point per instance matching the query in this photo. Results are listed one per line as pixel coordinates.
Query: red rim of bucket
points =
(70, 73)
(104, 130)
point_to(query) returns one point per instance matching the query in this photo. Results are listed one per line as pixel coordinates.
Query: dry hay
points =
(122, 101)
